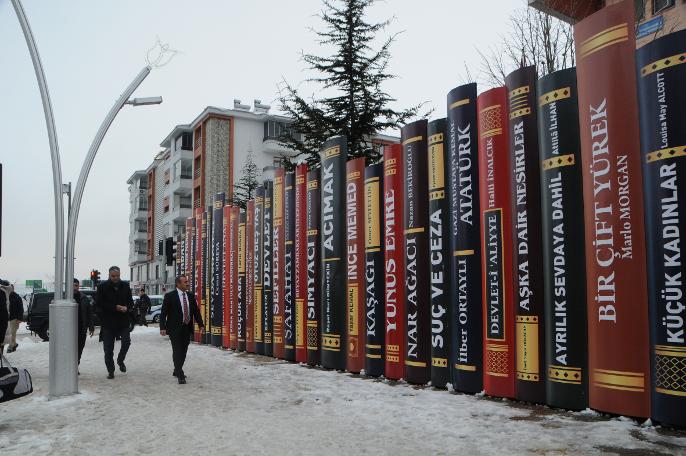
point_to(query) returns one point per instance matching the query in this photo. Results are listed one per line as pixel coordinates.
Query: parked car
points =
(38, 314)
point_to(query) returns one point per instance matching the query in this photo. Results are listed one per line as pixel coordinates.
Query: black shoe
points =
(110, 375)
(122, 367)
(175, 374)
(182, 380)
(12, 349)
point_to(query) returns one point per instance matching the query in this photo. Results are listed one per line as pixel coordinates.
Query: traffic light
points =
(170, 251)
(95, 277)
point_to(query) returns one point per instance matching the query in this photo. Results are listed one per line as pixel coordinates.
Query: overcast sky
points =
(230, 49)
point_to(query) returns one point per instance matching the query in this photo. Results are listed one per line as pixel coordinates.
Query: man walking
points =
(115, 301)
(179, 311)
(85, 313)
(143, 306)
(16, 314)
(4, 313)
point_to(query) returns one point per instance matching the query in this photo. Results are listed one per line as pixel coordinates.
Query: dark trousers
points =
(82, 343)
(179, 341)
(108, 337)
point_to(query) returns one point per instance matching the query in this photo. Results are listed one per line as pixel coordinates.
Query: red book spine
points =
(617, 296)
(354, 217)
(278, 263)
(393, 261)
(229, 331)
(198, 266)
(232, 280)
(496, 242)
(249, 279)
(188, 269)
(240, 278)
(300, 272)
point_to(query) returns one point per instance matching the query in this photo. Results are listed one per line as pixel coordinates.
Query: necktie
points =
(186, 316)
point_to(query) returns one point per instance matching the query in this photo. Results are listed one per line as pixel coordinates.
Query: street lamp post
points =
(63, 364)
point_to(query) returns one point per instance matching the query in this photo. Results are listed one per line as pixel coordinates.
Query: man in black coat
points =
(179, 311)
(85, 313)
(4, 312)
(16, 312)
(143, 307)
(115, 301)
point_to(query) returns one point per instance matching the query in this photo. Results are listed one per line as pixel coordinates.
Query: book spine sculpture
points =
(564, 268)
(466, 360)
(267, 259)
(289, 267)
(374, 271)
(525, 182)
(199, 290)
(300, 264)
(417, 277)
(228, 284)
(241, 287)
(661, 68)
(438, 254)
(217, 277)
(333, 255)
(258, 270)
(313, 264)
(394, 259)
(354, 221)
(278, 263)
(250, 277)
(617, 296)
(496, 244)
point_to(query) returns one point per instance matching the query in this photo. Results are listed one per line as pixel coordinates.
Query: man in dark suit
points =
(85, 314)
(179, 311)
(115, 301)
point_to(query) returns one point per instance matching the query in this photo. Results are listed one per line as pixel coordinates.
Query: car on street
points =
(38, 317)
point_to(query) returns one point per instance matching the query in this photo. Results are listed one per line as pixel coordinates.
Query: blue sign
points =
(650, 26)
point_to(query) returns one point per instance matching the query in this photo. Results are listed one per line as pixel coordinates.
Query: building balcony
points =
(180, 212)
(139, 214)
(274, 147)
(138, 235)
(180, 185)
(136, 257)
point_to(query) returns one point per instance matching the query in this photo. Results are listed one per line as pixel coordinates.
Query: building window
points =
(661, 5)
(157, 271)
(166, 204)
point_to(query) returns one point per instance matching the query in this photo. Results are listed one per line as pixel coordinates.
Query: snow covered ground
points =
(246, 404)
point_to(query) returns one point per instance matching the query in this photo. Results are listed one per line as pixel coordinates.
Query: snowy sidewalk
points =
(246, 404)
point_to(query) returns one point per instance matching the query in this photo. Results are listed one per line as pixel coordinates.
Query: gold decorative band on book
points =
(373, 347)
(465, 367)
(371, 179)
(497, 347)
(327, 260)
(528, 376)
(619, 380)
(526, 319)
(520, 113)
(413, 139)
(372, 356)
(278, 339)
(664, 154)
(608, 37)
(439, 362)
(437, 138)
(393, 348)
(564, 374)
(278, 319)
(557, 162)
(312, 232)
(373, 249)
(518, 102)
(331, 342)
(392, 358)
(463, 252)
(493, 132)
(312, 185)
(332, 151)
(459, 103)
(415, 363)
(414, 230)
(288, 347)
(216, 331)
(353, 175)
(663, 63)
(554, 95)
(670, 370)
(519, 91)
(438, 194)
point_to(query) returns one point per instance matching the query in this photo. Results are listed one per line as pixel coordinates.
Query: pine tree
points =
(358, 108)
(244, 189)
